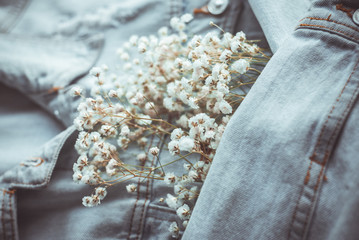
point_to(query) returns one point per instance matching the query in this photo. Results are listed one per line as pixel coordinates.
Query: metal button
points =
(217, 7)
(356, 17)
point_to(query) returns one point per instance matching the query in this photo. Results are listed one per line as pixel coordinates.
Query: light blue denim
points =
(287, 165)
(44, 50)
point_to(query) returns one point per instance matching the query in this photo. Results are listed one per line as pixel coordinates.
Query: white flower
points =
(187, 166)
(154, 151)
(76, 91)
(174, 22)
(174, 230)
(184, 212)
(104, 67)
(192, 102)
(183, 121)
(186, 144)
(170, 178)
(87, 201)
(186, 18)
(225, 107)
(96, 71)
(193, 174)
(241, 66)
(163, 31)
(173, 147)
(235, 45)
(95, 137)
(227, 37)
(173, 202)
(82, 160)
(123, 142)
(77, 176)
(131, 188)
(177, 134)
(108, 131)
(142, 48)
(110, 167)
(133, 40)
(101, 192)
(225, 55)
(241, 35)
(124, 56)
(112, 93)
(125, 130)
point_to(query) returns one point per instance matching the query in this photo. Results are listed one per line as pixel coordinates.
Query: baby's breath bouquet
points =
(178, 88)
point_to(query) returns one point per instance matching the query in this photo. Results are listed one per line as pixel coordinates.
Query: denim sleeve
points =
(287, 165)
(38, 198)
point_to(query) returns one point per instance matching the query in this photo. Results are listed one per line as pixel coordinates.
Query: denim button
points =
(356, 17)
(217, 7)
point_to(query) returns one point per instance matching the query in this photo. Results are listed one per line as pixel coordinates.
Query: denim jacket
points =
(286, 166)
(47, 47)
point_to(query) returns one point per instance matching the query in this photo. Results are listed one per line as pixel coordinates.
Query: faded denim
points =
(45, 50)
(287, 166)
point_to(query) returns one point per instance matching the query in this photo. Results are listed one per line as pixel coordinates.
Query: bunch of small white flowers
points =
(170, 85)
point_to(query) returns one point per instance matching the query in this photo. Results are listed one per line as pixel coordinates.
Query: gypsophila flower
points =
(154, 151)
(174, 230)
(186, 144)
(177, 134)
(87, 201)
(77, 176)
(96, 71)
(241, 66)
(173, 202)
(184, 212)
(101, 192)
(131, 188)
(76, 91)
(175, 90)
(125, 130)
(170, 178)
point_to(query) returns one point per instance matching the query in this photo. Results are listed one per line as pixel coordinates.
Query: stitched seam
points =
(161, 209)
(295, 211)
(143, 207)
(332, 29)
(52, 163)
(330, 113)
(138, 195)
(147, 196)
(307, 177)
(337, 126)
(333, 21)
(167, 220)
(11, 217)
(326, 157)
(327, 152)
(2, 215)
(314, 195)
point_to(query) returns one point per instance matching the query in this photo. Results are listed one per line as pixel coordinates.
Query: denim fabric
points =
(43, 60)
(287, 165)
(278, 18)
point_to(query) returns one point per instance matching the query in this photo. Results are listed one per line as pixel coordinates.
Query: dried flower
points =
(173, 90)
(131, 188)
